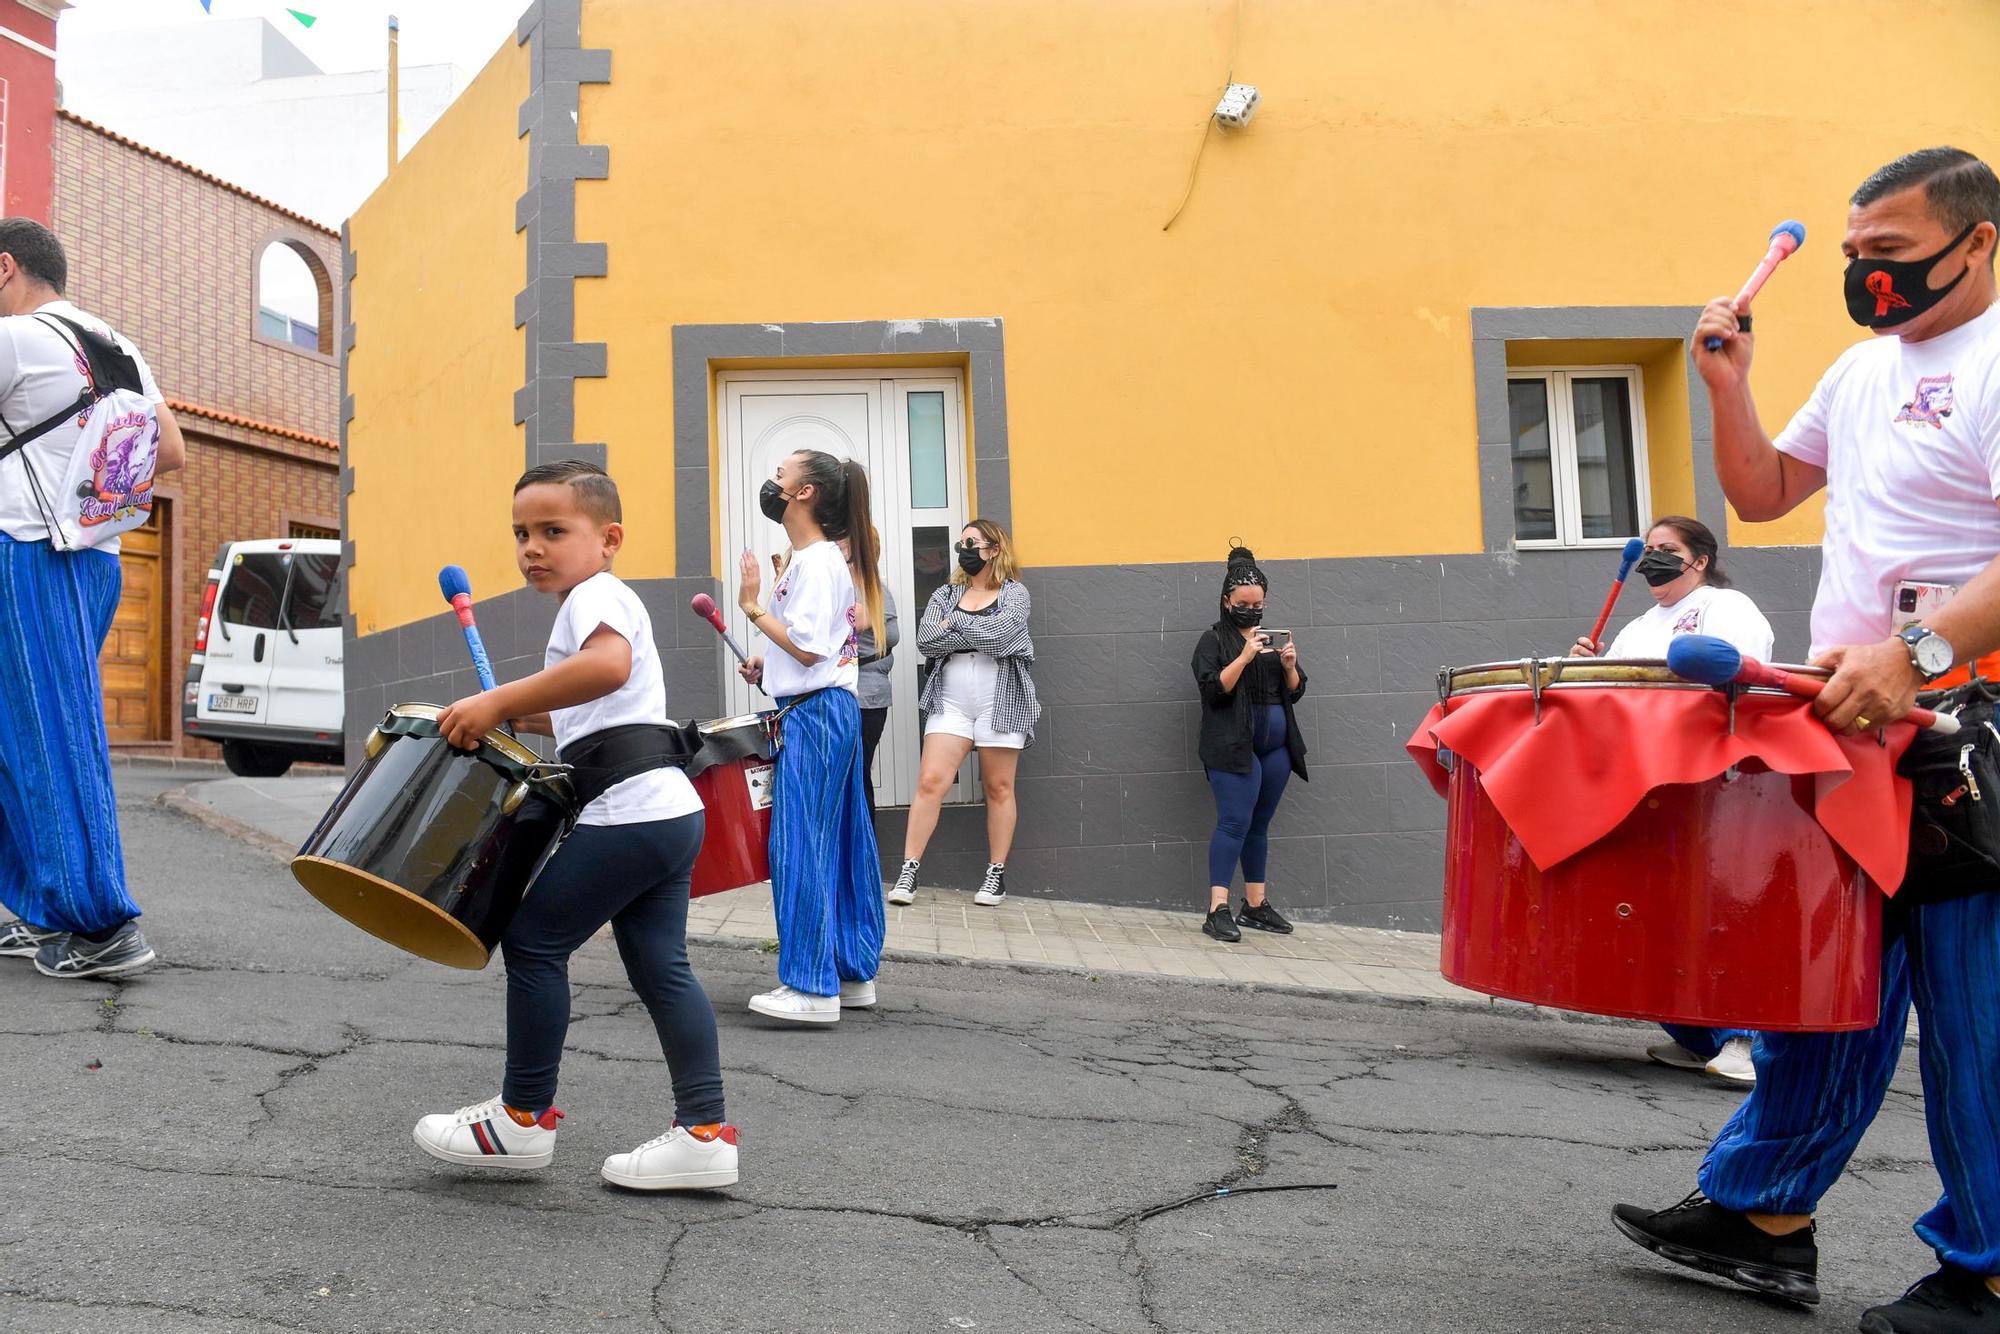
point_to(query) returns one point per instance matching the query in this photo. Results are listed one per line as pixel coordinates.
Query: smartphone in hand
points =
(1276, 641)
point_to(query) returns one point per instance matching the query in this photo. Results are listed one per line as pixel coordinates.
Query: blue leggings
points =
(1817, 1092)
(636, 877)
(61, 866)
(826, 876)
(1704, 1042)
(1245, 803)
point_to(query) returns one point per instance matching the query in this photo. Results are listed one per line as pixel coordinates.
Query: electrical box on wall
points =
(1238, 105)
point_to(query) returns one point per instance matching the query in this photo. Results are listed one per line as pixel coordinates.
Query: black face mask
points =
(1882, 293)
(1245, 617)
(970, 561)
(772, 500)
(1659, 567)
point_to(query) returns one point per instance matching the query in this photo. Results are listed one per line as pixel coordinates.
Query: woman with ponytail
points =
(1250, 744)
(826, 876)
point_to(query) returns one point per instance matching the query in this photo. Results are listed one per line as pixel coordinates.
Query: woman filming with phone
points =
(1249, 679)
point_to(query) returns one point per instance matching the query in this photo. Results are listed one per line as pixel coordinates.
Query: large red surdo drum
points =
(733, 772)
(1622, 842)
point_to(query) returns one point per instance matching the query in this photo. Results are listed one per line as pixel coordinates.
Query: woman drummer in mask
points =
(1691, 596)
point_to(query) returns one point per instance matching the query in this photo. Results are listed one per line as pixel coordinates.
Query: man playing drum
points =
(1904, 432)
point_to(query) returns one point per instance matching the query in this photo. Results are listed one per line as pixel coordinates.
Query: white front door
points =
(907, 429)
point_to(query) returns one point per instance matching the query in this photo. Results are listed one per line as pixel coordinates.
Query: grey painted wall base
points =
(1114, 807)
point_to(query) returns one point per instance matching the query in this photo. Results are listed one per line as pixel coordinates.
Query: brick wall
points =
(168, 256)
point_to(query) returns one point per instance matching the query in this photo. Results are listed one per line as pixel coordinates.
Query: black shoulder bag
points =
(1955, 798)
(111, 367)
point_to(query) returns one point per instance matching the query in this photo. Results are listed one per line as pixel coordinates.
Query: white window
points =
(1579, 451)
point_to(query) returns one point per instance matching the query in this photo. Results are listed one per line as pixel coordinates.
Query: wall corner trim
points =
(346, 484)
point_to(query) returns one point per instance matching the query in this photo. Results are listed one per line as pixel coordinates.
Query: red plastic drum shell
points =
(736, 837)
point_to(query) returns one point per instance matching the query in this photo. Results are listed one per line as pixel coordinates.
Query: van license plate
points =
(232, 703)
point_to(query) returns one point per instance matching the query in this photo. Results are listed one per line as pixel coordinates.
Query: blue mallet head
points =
(1793, 228)
(1634, 548)
(452, 580)
(1704, 659)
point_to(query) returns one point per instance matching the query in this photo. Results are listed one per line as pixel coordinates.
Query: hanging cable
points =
(1208, 125)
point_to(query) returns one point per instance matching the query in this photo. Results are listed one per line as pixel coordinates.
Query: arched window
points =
(294, 297)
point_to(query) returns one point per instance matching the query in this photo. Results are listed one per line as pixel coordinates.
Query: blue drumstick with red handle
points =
(1709, 661)
(456, 586)
(1627, 559)
(1786, 237)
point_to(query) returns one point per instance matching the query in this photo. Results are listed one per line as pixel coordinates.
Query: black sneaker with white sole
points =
(1701, 1234)
(993, 889)
(73, 956)
(1951, 1301)
(904, 891)
(1264, 918)
(1221, 923)
(23, 941)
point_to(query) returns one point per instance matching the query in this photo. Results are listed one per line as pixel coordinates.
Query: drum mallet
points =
(1709, 661)
(1634, 548)
(1786, 237)
(456, 586)
(704, 607)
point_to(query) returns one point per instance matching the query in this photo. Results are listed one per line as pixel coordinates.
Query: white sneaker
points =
(1733, 1062)
(676, 1161)
(797, 1006)
(483, 1135)
(904, 892)
(1675, 1055)
(993, 889)
(857, 995)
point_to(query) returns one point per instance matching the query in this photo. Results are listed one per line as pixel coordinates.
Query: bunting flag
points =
(205, 6)
(305, 20)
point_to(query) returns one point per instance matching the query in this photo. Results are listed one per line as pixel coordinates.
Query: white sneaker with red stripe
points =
(676, 1160)
(484, 1135)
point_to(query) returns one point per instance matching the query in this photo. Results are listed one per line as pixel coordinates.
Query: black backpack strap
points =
(111, 367)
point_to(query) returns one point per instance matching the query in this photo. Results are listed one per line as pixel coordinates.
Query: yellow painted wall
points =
(437, 358)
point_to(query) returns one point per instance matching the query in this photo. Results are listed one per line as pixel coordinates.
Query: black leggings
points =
(635, 877)
(872, 723)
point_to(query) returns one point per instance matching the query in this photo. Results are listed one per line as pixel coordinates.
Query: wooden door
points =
(131, 664)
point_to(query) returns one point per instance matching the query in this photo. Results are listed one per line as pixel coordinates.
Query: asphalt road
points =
(223, 1145)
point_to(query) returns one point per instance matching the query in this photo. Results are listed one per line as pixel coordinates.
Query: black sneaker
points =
(1221, 923)
(73, 956)
(19, 939)
(1265, 918)
(1703, 1235)
(1951, 1301)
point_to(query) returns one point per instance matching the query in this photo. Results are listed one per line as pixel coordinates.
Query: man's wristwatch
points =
(1930, 652)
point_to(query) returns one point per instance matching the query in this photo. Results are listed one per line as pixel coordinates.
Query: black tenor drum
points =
(431, 848)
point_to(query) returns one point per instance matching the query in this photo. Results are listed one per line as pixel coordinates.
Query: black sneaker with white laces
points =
(993, 889)
(1264, 918)
(1703, 1235)
(1221, 923)
(904, 892)
(23, 941)
(125, 951)
(1951, 1301)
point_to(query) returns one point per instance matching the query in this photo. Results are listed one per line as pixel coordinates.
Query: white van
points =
(265, 677)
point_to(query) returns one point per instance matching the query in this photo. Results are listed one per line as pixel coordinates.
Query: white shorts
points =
(970, 682)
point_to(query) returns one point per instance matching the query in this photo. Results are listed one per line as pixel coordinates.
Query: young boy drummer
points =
(629, 861)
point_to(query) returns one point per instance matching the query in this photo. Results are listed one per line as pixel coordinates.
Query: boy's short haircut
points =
(596, 493)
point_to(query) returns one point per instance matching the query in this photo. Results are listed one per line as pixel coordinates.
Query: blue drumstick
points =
(1634, 547)
(1786, 237)
(1709, 661)
(456, 586)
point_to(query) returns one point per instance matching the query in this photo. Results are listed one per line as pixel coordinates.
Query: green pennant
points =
(306, 20)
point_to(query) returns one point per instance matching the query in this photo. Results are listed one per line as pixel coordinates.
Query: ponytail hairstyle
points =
(840, 508)
(1005, 565)
(1243, 572)
(1700, 542)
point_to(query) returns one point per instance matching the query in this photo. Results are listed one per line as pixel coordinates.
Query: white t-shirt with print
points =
(604, 600)
(42, 373)
(1909, 436)
(1707, 610)
(815, 599)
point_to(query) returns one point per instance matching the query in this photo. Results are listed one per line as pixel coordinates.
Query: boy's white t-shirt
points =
(815, 600)
(42, 373)
(1909, 437)
(604, 600)
(1707, 610)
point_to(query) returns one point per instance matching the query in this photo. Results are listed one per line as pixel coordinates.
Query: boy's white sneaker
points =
(857, 995)
(676, 1160)
(484, 1135)
(797, 1007)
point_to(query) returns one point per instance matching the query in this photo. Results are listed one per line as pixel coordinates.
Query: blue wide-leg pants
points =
(826, 875)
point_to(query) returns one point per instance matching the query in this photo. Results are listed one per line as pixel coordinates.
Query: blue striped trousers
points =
(61, 865)
(1817, 1092)
(826, 875)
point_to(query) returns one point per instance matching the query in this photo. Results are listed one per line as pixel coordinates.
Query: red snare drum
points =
(732, 774)
(1723, 903)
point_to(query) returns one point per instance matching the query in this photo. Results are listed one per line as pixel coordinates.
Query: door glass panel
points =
(1607, 487)
(1534, 470)
(927, 453)
(256, 584)
(930, 567)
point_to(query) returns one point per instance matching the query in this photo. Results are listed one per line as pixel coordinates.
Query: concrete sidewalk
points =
(1059, 933)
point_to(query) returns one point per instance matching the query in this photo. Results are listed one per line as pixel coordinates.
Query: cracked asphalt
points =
(222, 1144)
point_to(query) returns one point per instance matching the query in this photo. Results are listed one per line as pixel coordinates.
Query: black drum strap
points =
(603, 760)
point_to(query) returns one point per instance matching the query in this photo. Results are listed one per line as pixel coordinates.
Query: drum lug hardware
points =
(1729, 693)
(1534, 669)
(1444, 685)
(515, 796)
(374, 744)
(1732, 773)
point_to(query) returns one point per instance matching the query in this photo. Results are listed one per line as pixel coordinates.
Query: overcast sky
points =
(346, 34)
